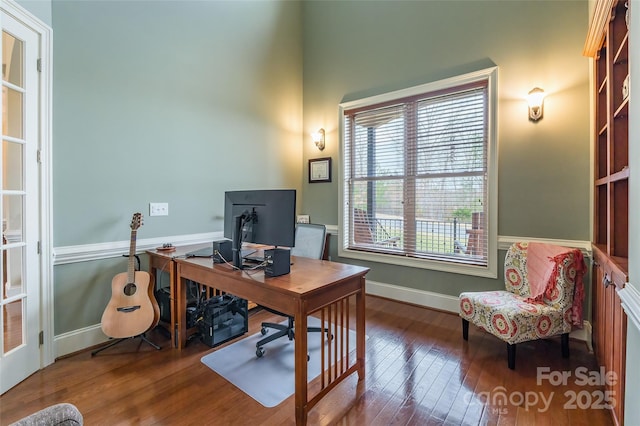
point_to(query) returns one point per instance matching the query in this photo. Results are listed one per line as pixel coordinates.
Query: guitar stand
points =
(137, 258)
(115, 342)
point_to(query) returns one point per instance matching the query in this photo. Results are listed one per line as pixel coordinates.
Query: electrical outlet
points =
(158, 209)
(303, 218)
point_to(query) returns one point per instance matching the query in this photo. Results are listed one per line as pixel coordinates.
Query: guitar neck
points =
(132, 252)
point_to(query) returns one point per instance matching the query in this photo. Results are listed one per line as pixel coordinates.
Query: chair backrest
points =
(310, 241)
(562, 295)
(515, 270)
(517, 281)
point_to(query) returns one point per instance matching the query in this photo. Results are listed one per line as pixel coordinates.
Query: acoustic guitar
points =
(132, 309)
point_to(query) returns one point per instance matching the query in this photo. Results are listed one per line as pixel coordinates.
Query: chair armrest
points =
(63, 414)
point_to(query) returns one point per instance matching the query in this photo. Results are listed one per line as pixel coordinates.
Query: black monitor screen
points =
(263, 217)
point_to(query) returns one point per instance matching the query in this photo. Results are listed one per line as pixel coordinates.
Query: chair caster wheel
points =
(259, 352)
(264, 331)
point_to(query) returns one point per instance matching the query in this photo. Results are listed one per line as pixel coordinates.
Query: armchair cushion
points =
(511, 318)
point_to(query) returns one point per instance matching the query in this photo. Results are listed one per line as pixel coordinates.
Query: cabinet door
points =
(619, 352)
(599, 330)
(609, 335)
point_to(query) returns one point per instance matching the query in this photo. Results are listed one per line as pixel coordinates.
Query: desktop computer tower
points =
(163, 298)
(278, 262)
(222, 318)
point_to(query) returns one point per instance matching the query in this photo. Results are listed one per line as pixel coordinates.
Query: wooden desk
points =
(320, 288)
(164, 261)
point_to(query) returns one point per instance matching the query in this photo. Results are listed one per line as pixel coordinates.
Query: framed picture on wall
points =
(320, 170)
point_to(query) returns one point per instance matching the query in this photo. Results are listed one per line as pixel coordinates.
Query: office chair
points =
(309, 242)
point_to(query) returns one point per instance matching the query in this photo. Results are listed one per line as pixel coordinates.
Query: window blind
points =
(416, 176)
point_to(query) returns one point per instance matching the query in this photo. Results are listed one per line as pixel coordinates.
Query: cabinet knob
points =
(606, 281)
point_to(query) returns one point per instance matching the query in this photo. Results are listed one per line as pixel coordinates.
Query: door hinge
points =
(39, 156)
(39, 65)
(41, 338)
(38, 247)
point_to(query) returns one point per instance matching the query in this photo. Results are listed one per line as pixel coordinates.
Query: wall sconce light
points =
(536, 103)
(318, 138)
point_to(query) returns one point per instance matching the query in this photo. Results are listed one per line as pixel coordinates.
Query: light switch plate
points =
(158, 209)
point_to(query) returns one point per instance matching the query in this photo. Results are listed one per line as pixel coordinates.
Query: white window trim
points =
(489, 74)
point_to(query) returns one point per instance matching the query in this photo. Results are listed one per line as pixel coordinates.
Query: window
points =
(419, 176)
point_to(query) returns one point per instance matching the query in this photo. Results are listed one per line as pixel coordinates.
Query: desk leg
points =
(301, 364)
(360, 328)
(173, 304)
(181, 306)
(152, 297)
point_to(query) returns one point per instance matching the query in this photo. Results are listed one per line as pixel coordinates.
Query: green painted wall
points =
(170, 102)
(354, 49)
(165, 101)
(179, 101)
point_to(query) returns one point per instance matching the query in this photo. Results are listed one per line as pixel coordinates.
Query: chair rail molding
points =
(98, 251)
(630, 297)
(504, 242)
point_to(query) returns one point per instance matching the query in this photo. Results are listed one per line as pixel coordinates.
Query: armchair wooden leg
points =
(564, 342)
(465, 329)
(511, 356)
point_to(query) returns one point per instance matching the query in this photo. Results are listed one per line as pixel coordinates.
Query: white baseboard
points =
(583, 334)
(77, 340)
(445, 303)
(427, 299)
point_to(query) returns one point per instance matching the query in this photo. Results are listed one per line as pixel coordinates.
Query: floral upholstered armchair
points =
(542, 297)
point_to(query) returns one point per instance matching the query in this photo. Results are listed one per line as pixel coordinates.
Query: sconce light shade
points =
(318, 138)
(536, 103)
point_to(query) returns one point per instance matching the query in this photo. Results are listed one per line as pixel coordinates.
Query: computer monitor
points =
(261, 217)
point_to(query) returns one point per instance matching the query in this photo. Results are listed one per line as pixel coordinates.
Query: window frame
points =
(490, 75)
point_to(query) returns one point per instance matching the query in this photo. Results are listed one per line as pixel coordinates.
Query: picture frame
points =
(320, 170)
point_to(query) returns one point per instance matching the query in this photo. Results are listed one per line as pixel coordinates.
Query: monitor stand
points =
(236, 245)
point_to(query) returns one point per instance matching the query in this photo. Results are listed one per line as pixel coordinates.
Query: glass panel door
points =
(19, 206)
(12, 153)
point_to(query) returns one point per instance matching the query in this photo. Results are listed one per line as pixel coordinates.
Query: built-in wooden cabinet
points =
(609, 336)
(608, 43)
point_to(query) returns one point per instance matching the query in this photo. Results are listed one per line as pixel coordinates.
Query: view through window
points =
(416, 174)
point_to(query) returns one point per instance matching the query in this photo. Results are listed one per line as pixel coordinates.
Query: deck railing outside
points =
(431, 235)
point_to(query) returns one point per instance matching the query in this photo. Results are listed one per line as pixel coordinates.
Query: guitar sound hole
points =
(130, 289)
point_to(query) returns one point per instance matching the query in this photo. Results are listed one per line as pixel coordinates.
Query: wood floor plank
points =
(418, 371)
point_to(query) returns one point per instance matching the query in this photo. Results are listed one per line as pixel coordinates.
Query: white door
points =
(20, 268)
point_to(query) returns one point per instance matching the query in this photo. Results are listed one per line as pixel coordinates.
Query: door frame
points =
(45, 220)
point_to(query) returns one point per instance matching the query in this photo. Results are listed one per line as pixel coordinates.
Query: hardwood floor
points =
(419, 371)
